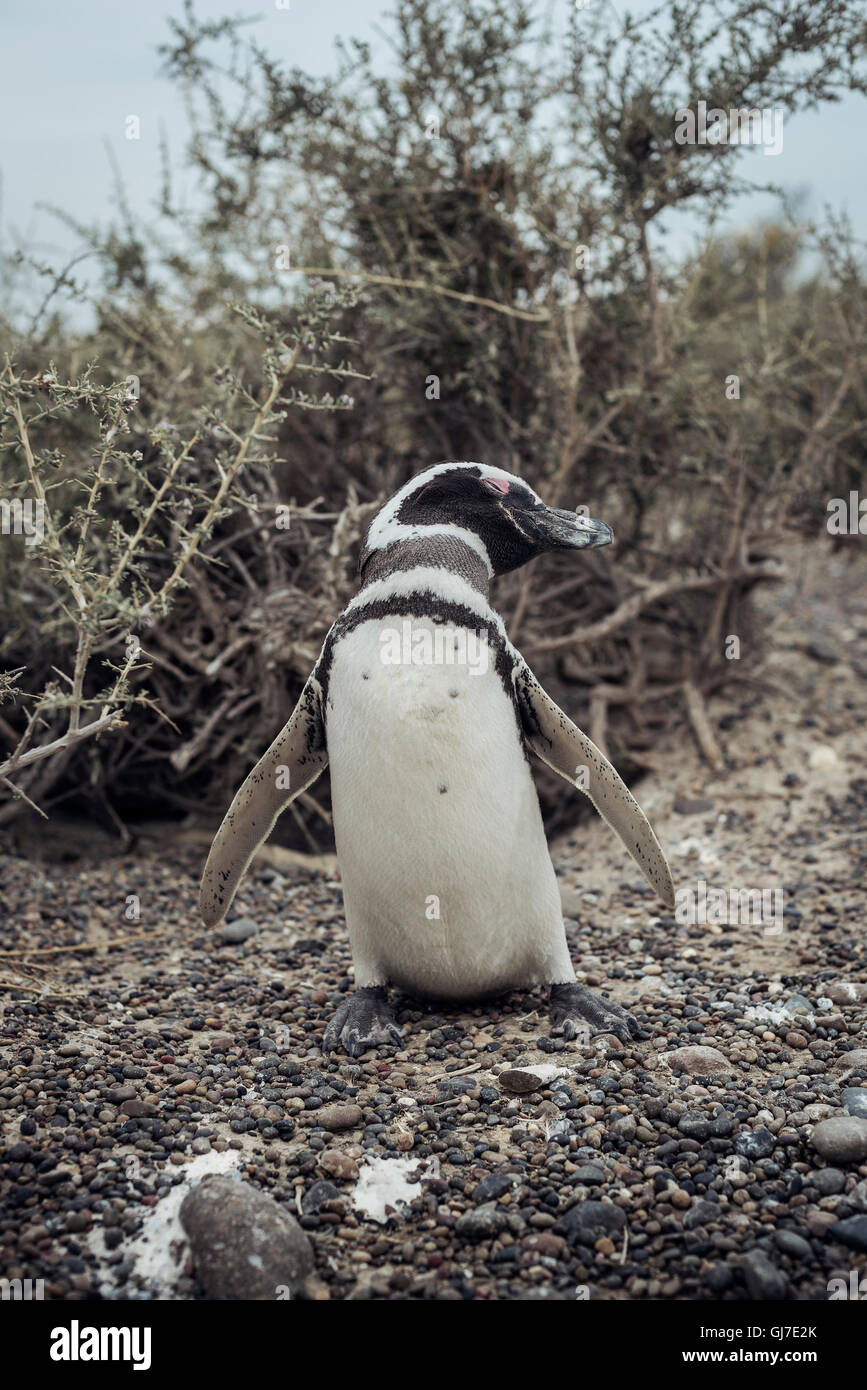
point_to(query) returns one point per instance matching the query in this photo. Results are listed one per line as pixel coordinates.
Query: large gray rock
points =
(244, 1244)
(842, 1139)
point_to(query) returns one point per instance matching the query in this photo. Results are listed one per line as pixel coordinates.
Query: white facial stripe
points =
(385, 528)
(444, 583)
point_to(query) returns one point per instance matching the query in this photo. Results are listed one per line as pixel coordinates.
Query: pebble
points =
(842, 1139)
(852, 1232)
(828, 1181)
(523, 1080)
(763, 1280)
(692, 805)
(792, 1244)
(856, 1060)
(545, 1244)
(858, 1195)
(822, 757)
(701, 1214)
(819, 1221)
(591, 1174)
(756, 1143)
(483, 1223)
(337, 1117)
(244, 1244)
(241, 929)
(846, 992)
(221, 1049)
(493, 1186)
(624, 1128)
(855, 1101)
(824, 650)
(699, 1061)
(317, 1194)
(588, 1221)
(138, 1109)
(338, 1165)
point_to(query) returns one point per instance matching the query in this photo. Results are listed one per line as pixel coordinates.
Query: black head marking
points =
(482, 501)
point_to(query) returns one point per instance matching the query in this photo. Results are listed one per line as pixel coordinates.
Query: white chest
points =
(447, 880)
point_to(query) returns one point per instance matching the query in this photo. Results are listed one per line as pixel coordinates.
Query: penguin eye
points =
(498, 486)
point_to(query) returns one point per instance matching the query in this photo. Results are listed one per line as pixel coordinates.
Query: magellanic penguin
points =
(426, 715)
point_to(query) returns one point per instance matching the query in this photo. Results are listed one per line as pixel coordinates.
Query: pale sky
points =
(70, 74)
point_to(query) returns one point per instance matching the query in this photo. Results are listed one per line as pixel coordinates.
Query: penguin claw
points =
(363, 1020)
(573, 1007)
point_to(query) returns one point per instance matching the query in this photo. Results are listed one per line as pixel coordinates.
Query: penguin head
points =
(494, 512)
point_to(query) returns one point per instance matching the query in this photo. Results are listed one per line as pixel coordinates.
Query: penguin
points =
(427, 717)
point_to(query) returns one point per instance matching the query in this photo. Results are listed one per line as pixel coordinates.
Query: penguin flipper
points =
(294, 760)
(561, 744)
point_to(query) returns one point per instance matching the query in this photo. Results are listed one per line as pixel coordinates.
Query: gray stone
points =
(763, 1280)
(591, 1174)
(244, 1244)
(822, 649)
(623, 1127)
(589, 1221)
(493, 1186)
(692, 805)
(699, 1061)
(856, 1060)
(317, 1194)
(756, 1143)
(457, 1085)
(858, 1195)
(855, 1101)
(483, 1223)
(846, 992)
(701, 1214)
(335, 1117)
(792, 1244)
(797, 1004)
(522, 1080)
(828, 1181)
(842, 1139)
(240, 930)
(852, 1232)
(694, 1126)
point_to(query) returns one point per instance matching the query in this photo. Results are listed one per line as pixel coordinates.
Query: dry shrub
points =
(459, 259)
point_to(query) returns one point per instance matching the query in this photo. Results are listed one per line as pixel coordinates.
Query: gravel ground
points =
(722, 1156)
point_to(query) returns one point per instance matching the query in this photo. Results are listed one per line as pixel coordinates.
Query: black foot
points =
(574, 1006)
(363, 1020)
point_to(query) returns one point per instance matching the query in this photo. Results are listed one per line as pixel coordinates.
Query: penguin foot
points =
(363, 1020)
(573, 1007)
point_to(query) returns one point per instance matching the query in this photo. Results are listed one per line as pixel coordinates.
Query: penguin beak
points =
(560, 530)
